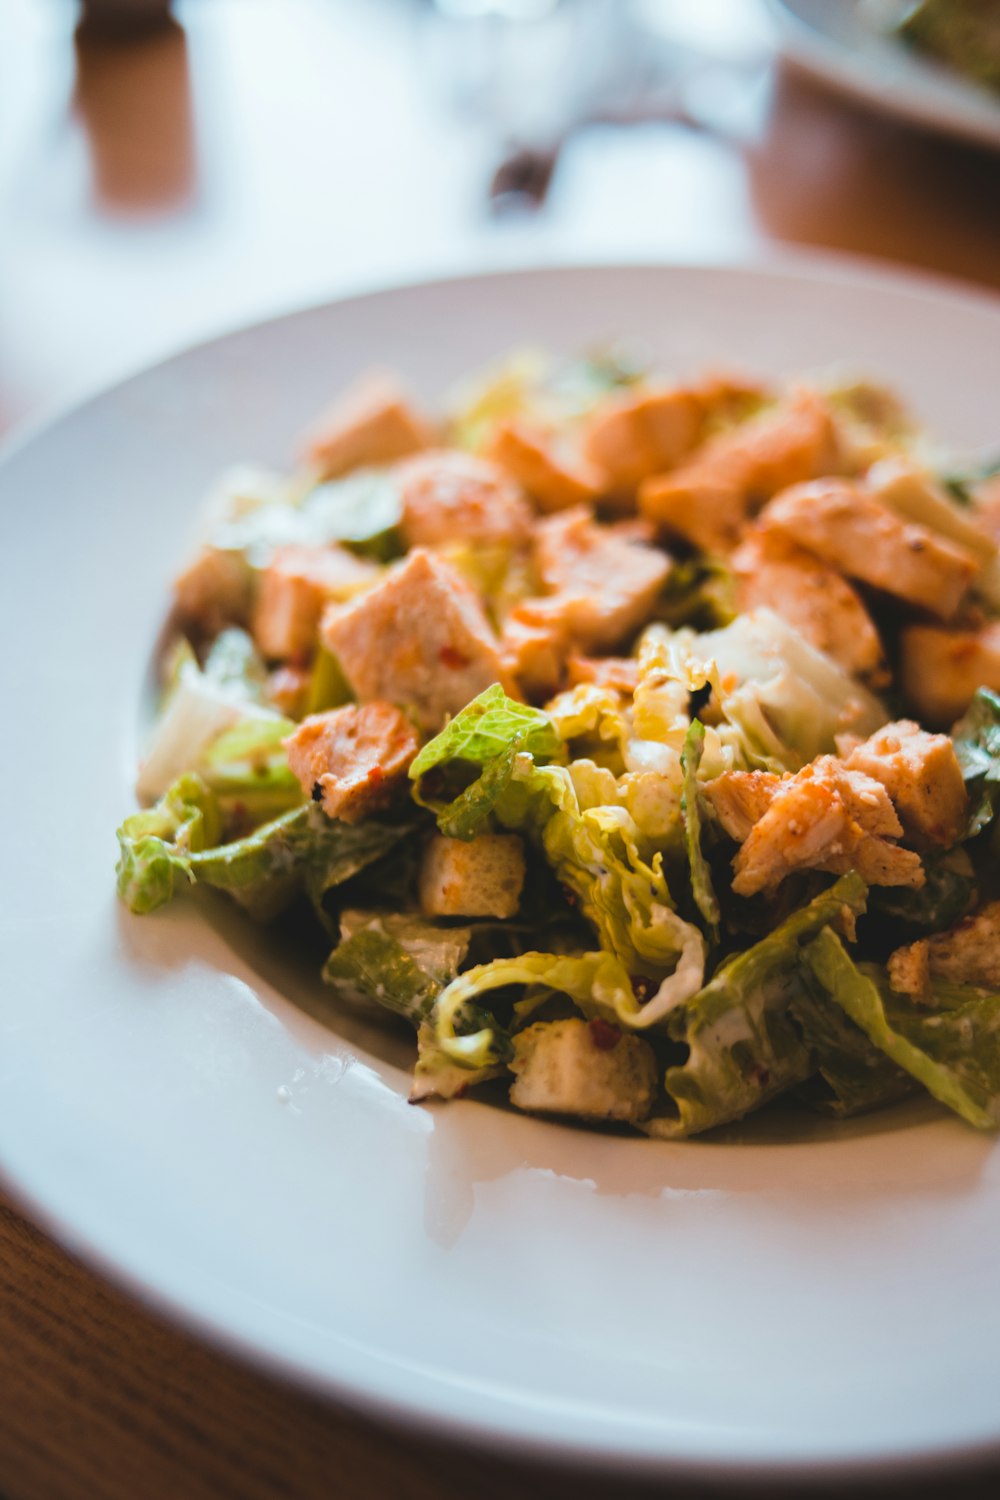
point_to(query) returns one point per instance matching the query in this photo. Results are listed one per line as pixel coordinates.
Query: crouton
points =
(534, 651)
(826, 817)
(774, 573)
(419, 639)
(851, 530)
(968, 953)
(602, 586)
(450, 497)
(372, 424)
(295, 588)
(213, 591)
(531, 456)
(708, 500)
(353, 759)
(941, 670)
(590, 1069)
(920, 771)
(481, 877)
(627, 438)
(909, 971)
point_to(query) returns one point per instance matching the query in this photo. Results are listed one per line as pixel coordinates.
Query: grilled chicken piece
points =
(295, 588)
(853, 532)
(418, 639)
(632, 436)
(940, 670)
(920, 771)
(454, 497)
(968, 953)
(372, 424)
(532, 456)
(775, 573)
(353, 759)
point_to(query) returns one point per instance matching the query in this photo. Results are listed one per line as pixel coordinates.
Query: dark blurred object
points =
(965, 34)
(132, 96)
(122, 17)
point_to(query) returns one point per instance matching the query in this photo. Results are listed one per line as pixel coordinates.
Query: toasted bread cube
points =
(857, 535)
(418, 639)
(775, 573)
(455, 497)
(603, 586)
(353, 759)
(628, 438)
(372, 424)
(920, 771)
(590, 1069)
(909, 971)
(296, 587)
(481, 877)
(530, 455)
(941, 670)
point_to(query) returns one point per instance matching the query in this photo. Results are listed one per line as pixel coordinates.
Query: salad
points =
(634, 740)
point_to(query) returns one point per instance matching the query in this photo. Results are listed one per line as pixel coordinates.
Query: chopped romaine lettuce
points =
(395, 960)
(302, 849)
(977, 744)
(951, 1045)
(852, 1074)
(744, 1045)
(485, 728)
(702, 888)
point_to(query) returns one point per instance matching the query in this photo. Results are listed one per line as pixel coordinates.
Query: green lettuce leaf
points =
(594, 848)
(976, 737)
(952, 1047)
(852, 1074)
(701, 876)
(363, 512)
(744, 1045)
(302, 849)
(395, 960)
(156, 845)
(485, 728)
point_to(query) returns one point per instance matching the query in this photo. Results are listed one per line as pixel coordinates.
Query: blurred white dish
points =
(833, 40)
(790, 1295)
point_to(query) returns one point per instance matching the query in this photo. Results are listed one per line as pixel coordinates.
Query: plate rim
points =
(442, 1425)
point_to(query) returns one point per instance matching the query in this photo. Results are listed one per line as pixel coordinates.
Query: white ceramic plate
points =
(787, 1295)
(834, 41)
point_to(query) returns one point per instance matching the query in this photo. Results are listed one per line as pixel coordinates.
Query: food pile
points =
(634, 739)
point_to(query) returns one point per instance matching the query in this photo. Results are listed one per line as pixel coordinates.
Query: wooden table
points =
(238, 162)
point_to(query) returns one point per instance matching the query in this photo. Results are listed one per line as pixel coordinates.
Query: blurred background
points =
(168, 171)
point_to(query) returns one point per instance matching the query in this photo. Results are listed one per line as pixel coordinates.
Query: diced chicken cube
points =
(603, 587)
(215, 590)
(708, 500)
(855, 534)
(534, 653)
(419, 639)
(826, 817)
(294, 590)
(740, 799)
(481, 877)
(920, 771)
(372, 424)
(968, 953)
(618, 672)
(454, 497)
(773, 572)
(630, 437)
(531, 456)
(588, 1069)
(353, 759)
(941, 670)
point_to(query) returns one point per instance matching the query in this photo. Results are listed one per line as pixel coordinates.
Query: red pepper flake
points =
(604, 1035)
(452, 659)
